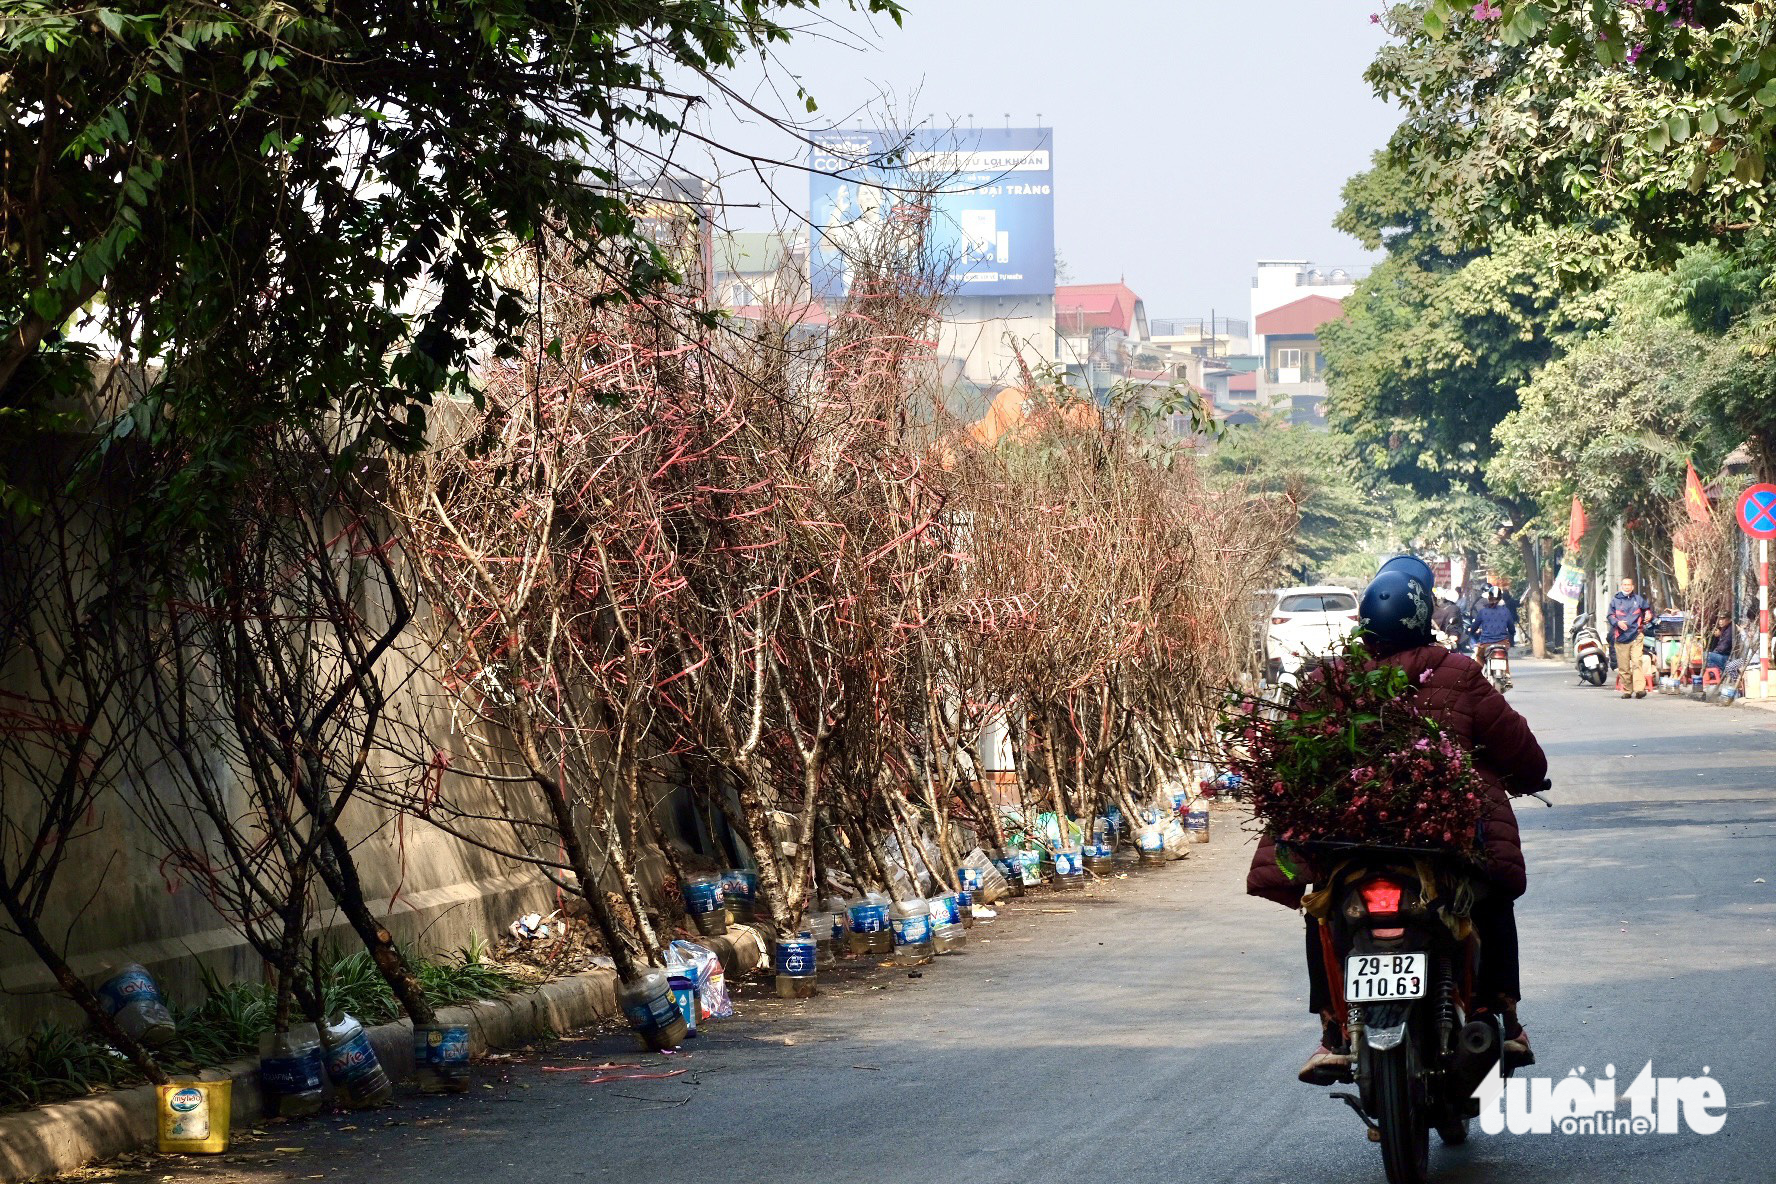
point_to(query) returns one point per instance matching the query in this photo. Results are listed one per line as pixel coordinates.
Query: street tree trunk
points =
(1533, 600)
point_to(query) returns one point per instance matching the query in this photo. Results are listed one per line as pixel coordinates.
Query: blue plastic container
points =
(739, 889)
(794, 961)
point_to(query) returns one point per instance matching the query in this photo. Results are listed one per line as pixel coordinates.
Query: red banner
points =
(1576, 525)
(1695, 497)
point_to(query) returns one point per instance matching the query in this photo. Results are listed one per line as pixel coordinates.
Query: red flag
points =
(1576, 525)
(1695, 497)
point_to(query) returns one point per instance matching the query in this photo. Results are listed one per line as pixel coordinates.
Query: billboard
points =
(992, 217)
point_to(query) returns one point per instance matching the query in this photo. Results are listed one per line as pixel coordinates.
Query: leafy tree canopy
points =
(1436, 341)
(294, 211)
(1339, 511)
(1653, 118)
(1614, 420)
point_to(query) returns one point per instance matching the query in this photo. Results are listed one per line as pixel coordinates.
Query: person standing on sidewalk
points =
(1628, 615)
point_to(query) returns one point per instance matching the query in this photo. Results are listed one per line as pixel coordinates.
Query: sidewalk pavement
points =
(49, 1140)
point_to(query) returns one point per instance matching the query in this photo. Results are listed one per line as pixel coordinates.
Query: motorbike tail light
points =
(1382, 896)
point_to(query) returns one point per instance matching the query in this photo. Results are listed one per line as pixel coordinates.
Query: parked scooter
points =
(1589, 657)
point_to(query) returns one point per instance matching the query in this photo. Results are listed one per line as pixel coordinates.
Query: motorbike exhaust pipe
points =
(1476, 1052)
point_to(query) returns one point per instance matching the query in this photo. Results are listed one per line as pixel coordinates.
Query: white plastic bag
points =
(706, 971)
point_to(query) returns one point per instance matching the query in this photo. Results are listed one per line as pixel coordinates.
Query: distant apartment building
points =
(1277, 282)
(1291, 300)
(1098, 331)
(756, 270)
(1292, 378)
(1204, 337)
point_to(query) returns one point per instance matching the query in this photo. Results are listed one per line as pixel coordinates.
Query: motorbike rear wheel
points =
(1405, 1131)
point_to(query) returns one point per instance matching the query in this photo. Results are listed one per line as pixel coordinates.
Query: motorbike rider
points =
(1495, 623)
(1453, 690)
(1446, 618)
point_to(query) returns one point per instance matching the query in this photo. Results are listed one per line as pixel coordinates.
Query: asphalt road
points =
(1150, 1028)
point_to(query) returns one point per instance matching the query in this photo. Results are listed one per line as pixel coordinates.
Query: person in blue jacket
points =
(1494, 622)
(1629, 613)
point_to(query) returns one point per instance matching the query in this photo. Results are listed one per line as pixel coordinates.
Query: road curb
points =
(59, 1138)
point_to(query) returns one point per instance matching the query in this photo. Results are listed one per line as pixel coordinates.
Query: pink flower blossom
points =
(1484, 11)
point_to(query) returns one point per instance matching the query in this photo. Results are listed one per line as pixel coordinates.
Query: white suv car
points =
(1307, 624)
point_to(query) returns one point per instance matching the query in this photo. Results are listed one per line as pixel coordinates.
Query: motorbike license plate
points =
(1373, 978)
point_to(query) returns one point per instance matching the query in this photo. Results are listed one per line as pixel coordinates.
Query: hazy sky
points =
(1190, 138)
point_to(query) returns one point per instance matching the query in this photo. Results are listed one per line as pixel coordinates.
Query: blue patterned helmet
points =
(1396, 612)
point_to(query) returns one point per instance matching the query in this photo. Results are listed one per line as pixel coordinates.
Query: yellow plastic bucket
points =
(194, 1116)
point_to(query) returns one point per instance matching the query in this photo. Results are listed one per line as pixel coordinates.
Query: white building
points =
(1284, 281)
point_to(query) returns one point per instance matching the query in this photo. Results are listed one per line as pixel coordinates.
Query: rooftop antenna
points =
(971, 121)
(1038, 119)
(1008, 121)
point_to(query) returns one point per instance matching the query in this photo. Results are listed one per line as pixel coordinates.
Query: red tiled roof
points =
(1303, 317)
(1095, 306)
(1244, 382)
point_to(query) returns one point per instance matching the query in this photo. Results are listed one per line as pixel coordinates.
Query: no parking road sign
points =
(1757, 518)
(1757, 511)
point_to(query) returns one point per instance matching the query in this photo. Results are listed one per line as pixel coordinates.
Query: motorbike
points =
(1589, 656)
(1403, 983)
(1498, 665)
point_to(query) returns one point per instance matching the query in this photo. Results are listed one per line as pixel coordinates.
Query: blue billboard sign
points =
(992, 209)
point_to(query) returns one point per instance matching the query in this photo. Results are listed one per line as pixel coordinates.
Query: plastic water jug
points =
(194, 1116)
(651, 1010)
(1152, 843)
(947, 935)
(1099, 851)
(704, 906)
(1013, 871)
(795, 963)
(910, 923)
(869, 927)
(739, 889)
(130, 997)
(1196, 821)
(965, 901)
(441, 1058)
(1069, 867)
(352, 1065)
(290, 1080)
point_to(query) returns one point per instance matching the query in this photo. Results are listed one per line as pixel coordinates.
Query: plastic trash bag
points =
(706, 971)
(925, 858)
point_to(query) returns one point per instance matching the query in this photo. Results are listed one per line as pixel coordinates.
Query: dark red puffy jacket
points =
(1506, 755)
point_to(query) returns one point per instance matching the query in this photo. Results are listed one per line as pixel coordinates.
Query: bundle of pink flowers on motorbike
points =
(1352, 757)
